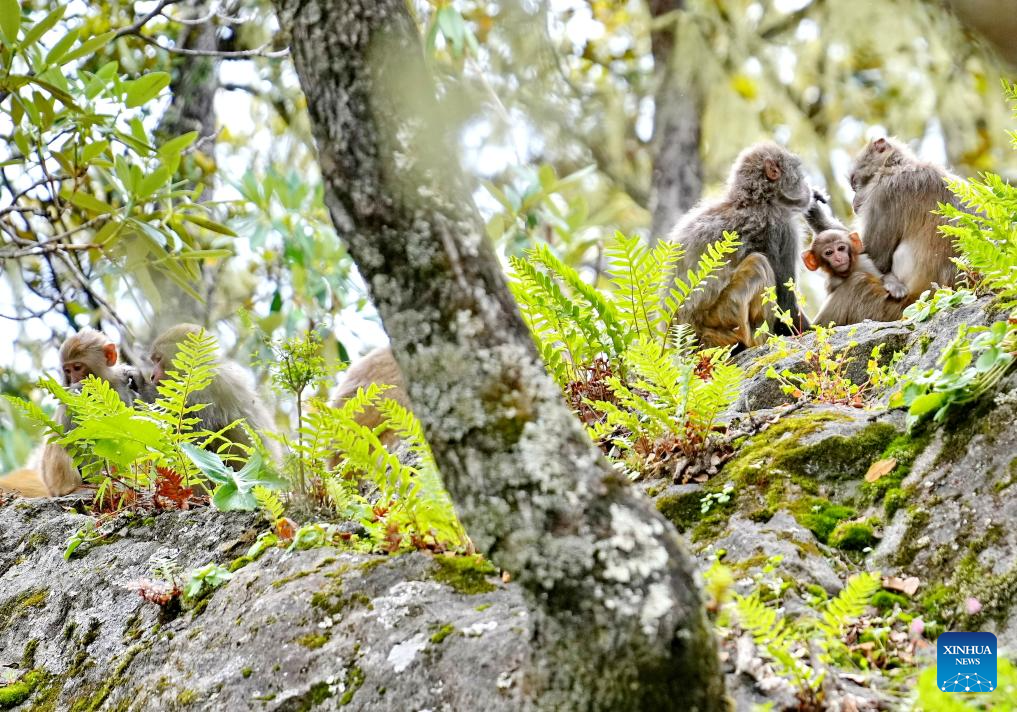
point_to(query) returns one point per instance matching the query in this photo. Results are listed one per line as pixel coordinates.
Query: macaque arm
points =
(820, 217)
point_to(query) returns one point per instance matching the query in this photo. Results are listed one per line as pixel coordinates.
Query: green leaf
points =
(89, 47)
(922, 405)
(61, 47)
(10, 19)
(86, 202)
(141, 90)
(207, 462)
(153, 181)
(175, 145)
(36, 31)
(208, 224)
(236, 494)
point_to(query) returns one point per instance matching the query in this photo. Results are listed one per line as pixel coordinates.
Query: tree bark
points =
(677, 179)
(617, 620)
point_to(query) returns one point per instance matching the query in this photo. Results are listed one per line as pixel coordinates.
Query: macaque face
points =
(838, 256)
(158, 368)
(75, 372)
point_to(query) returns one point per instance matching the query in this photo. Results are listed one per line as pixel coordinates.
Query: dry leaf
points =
(907, 586)
(880, 468)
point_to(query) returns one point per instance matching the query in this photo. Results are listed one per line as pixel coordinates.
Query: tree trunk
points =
(677, 179)
(617, 621)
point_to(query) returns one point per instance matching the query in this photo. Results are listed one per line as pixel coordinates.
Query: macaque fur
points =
(378, 366)
(50, 470)
(895, 196)
(857, 290)
(766, 192)
(229, 397)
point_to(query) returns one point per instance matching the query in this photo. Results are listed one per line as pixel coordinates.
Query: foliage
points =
(295, 364)
(626, 366)
(673, 397)
(405, 505)
(235, 488)
(984, 230)
(819, 635)
(88, 163)
(970, 365)
(826, 378)
(933, 302)
(125, 448)
(205, 579)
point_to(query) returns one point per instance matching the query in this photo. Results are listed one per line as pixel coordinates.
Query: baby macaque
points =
(857, 289)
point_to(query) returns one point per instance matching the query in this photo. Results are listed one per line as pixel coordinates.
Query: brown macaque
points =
(377, 366)
(229, 397)
(856, 289)
(766, 192)
(50, 470)
(895, 195)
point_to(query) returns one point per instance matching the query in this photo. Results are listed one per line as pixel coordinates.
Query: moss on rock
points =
(466, 574)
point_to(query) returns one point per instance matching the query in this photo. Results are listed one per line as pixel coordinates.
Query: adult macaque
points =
(895, 195)
(856, 289)
(51, 471)
(229, 397)
(377, 366)
(766, 192)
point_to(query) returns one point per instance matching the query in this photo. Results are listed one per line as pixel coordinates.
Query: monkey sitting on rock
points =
(50, 470)
(896, 195)
(766, 193)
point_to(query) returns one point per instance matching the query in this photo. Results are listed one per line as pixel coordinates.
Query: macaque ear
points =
(810, 261)
(771, 170)
(110, 350)
(880, 144)
(856, 243)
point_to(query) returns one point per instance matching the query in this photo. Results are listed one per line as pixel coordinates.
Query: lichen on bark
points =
(618, 622)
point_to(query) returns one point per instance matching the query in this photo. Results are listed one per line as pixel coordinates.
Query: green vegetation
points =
(467, 575)
(625, 366)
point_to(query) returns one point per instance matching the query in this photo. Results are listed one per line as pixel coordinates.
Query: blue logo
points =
(966, 662)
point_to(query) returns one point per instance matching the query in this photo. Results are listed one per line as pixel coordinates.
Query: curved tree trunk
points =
(618, 623)
(677, 180)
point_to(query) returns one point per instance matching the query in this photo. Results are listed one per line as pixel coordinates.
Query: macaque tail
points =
(26, 482)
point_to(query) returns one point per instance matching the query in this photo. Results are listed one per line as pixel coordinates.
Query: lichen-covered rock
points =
(290, 631)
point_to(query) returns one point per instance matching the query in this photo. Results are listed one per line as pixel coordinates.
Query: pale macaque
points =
(378, 366)
(857, 290)
(230, 396)
(895, 198)
(766, 192)
(50, 470)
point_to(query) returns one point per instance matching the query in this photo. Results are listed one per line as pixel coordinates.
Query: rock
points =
(289, 630)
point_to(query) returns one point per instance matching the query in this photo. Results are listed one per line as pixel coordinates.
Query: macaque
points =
(856, 289)
(229, 397)
(377, 366)
(766, 192)
(51, 471)
(895, 195)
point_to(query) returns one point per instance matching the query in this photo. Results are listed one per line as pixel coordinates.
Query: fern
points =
(193, 371)
(409, 506)
(985, 232)
(270, 503)
(848, 605)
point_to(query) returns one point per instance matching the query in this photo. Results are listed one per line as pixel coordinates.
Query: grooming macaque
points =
(51, 471)
(895, 195)
(765, 194)
(377, 366)
(229, 397)
(856, 289)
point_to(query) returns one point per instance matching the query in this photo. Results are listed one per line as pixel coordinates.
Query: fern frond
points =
(270, 503)
(849, 604)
